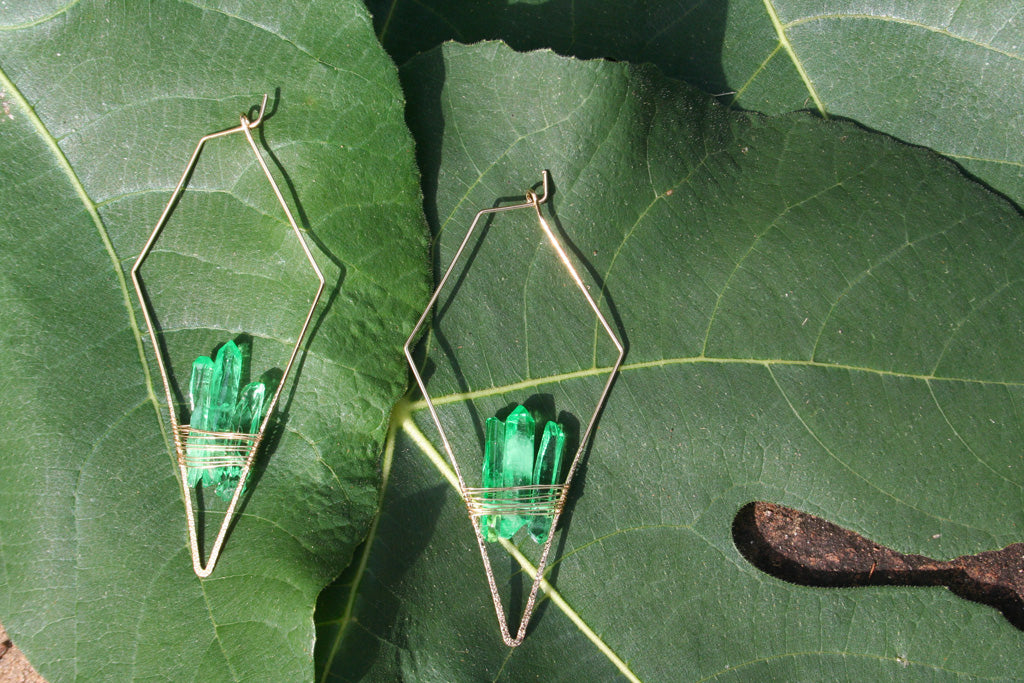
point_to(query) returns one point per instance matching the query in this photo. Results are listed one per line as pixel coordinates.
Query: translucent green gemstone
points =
(217, 406)
(546, 471)
(248, 414)
(222, 406)
(510, 459)
(199, 400)
(250, 408)
(494, 445)
(229, 477)
(517, 463)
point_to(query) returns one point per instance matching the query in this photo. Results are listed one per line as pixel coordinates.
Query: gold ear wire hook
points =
(532, 197)
(259, 117)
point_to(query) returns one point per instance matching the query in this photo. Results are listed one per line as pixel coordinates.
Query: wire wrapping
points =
(231, 449)
(540, 500)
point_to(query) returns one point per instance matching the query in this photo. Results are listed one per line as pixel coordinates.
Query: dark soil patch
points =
(807, 550)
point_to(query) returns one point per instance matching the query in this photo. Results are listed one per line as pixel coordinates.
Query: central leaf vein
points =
(780, 31)
(906, 22)
(90, 208)
(694, 360)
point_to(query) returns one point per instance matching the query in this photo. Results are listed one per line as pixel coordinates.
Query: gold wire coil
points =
(541, 500)
(230, 449)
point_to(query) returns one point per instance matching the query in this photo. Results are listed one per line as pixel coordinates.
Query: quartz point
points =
(217, 406)
(494, 447)
(222, 405)
(546, 472)
(510, 459)
(250, 408)
(199, 401)
(517, 462)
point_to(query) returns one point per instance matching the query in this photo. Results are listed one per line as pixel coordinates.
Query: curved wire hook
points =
(259, 120)
(533, 200)
(532, 197)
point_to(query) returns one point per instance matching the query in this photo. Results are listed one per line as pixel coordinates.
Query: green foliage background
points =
(818, 314)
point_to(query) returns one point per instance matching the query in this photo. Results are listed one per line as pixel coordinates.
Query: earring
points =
(521, 486)
(217, 447)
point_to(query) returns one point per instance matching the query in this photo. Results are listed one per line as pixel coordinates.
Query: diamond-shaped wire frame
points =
(181, 433)
(473, 496)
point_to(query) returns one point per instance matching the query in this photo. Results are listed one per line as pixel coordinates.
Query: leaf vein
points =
(753, 249)
(693, 360)
(899, 661)
(757, 72)
(398, 415)
(850, 284)
(886, 18)
(280, 37)
(41, 20)
(849, 468)
(780, 31)
(963, 441)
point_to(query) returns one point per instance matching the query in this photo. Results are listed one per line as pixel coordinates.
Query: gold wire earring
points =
(217, 447)
(522, 486)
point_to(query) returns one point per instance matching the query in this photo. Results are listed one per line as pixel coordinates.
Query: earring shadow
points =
(595, 275)
(442, 341)
(275, 426)
(333, 288)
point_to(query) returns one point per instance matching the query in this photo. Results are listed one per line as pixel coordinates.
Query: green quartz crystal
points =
(494, 447)
(511, 460)
(217, 406)
(248, 414)
(546, 471)
(199, 398)
(249, 411)
(222, 406)
(517, 462)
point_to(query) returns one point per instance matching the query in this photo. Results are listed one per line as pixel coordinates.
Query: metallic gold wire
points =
(474, 498)
(232, 447)
(183, 432)
(529, 501)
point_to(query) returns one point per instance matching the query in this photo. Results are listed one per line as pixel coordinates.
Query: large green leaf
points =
(102, 105)
(943, 74)
(817, 316)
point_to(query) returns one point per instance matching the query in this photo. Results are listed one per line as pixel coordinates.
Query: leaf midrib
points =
(90, 208)
(694, 360)
(887, 18)
(40, 20)
(842, 654)
(280, 36)
(784, 42)
(780, 31)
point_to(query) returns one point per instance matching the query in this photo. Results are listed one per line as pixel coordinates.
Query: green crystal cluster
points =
(510, 459)
(218, 406)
